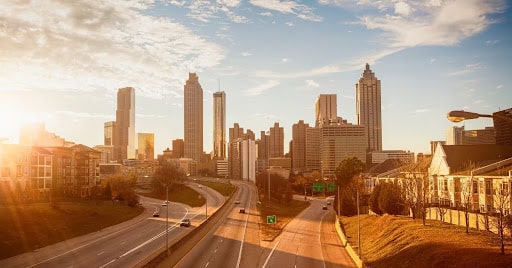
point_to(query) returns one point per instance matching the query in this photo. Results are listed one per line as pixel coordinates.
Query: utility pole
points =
(167, 220)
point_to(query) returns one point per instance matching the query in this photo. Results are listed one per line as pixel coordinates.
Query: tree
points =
(123, 188)
(415, 188)
(466, 195)
(502, 207)
(374, 200)
(167, 175)
(347, 170)
(390, 200)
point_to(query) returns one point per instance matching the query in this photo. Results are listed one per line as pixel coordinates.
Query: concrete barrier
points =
(347, 246)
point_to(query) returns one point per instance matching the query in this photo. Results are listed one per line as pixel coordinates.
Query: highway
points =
(310, 240)
(122, 245)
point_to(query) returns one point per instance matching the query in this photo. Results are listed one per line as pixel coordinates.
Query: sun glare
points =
(11, 120)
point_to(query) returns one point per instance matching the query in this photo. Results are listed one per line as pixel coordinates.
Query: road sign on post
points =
(331, 186)
(318, 187)
(271, 219)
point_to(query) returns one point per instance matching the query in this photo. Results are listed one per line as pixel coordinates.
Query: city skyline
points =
(272, 58)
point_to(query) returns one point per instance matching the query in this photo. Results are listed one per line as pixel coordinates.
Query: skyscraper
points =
(146, 146)
(219, 125)
(326, 108)
(299, 145)
(108, 133)
(503, 126)
(193, 120)
(368, 108)
(276, 141)
(124, 134)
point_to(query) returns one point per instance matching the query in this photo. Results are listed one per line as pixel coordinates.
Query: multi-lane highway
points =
(310, 240)
(122, 245)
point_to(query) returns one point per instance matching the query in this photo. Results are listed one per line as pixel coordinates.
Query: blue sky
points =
(61, 63)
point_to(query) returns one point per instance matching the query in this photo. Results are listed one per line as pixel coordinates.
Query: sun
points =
(11, 120)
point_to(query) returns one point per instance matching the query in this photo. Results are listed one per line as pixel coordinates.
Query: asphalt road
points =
(310, 240)
(122, 245)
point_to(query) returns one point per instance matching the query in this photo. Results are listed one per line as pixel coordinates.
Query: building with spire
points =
(368, 108)
(193, 118)
(219, 125)
(124, 132)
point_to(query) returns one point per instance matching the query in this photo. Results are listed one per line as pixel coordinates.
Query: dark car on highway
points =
(185, 222)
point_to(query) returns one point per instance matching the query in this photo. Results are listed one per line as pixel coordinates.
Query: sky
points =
(61, 63)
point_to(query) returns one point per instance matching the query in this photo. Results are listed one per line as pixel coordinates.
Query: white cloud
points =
(421, 110)
(328, 69)
(290, 23)
(284, 60)
(97, 46)
(499, 86)
(432, 60)
(402, 8)
(245, 54)
(491, 42)
(266, 14)
(288, 7)
(312, 83)
(261, 88)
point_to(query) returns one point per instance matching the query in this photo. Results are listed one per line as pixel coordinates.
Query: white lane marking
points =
(319, 238)
(146, 242)
(243, 237)
(208, 263)
(271, 252)
(100, 253)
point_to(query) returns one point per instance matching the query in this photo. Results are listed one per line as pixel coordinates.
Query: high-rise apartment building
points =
(219, 125)
(124, 134)
(178, 148)
(193, 120)
(235, 132)
(146, 146)
(298, 147)
(368, 108)
(503, 125)
(326, 108)
(276, 141)
(108, 133)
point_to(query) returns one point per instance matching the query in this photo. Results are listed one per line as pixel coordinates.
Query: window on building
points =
(475, 187)
(488, 187)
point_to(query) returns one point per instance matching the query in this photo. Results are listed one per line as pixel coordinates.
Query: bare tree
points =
(415, 188)
(501, 209)
(466, 196)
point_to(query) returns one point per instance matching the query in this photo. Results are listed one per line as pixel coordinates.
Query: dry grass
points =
(28, 227)
(284, 214)
(180, 193)
(391, 241)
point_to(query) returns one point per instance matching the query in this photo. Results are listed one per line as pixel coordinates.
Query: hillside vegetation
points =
(394, 241)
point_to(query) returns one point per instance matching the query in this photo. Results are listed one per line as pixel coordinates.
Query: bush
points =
(390, 200)
(373, 201)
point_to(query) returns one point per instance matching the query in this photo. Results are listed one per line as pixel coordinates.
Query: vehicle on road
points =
(185, 222)
(328, 202)
(156, 214)
(324, 207)
(242, 210)
(237, 202)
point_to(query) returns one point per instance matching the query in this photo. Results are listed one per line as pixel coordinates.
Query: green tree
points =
(123, 188)
(167, 175)
(347, 170)
(374, 200)
(390, 200)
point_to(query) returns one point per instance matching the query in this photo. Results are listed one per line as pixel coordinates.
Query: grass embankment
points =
(181, 194)
(32, 226)
(285, 212)
(225, 189)
(392, 241)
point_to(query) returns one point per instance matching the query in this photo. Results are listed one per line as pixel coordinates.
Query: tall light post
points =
(268, 163)
(167, 219)
(460, 115)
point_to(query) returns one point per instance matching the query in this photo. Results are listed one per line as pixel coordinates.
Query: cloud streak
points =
(98, 45)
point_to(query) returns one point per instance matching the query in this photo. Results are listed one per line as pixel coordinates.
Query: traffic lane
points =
(222, 246)
(91, 248)
(334, 252)
(299, 245)
(125, 245)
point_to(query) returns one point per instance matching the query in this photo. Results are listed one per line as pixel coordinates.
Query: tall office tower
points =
(503, 125)
(146, 148)
(219, 125)
(368, 108)
(193, 118)
(35, 134)
(276, 141)
(298, 147)
(326, 108)
(313, 149)
(178, 148)
(108, 133)
(460, 136)
(124, 133)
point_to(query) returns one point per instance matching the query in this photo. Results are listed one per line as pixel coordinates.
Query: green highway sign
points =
(271, 219)
(331, 186)
(318, 187)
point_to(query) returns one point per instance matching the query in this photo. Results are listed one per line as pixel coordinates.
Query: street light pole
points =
(460, 115)
(268, 165)
(358, 227)
(167, 220)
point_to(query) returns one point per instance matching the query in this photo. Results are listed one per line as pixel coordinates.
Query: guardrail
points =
(184, 244)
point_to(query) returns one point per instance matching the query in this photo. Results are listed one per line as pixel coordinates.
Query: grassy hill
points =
(393, 241)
